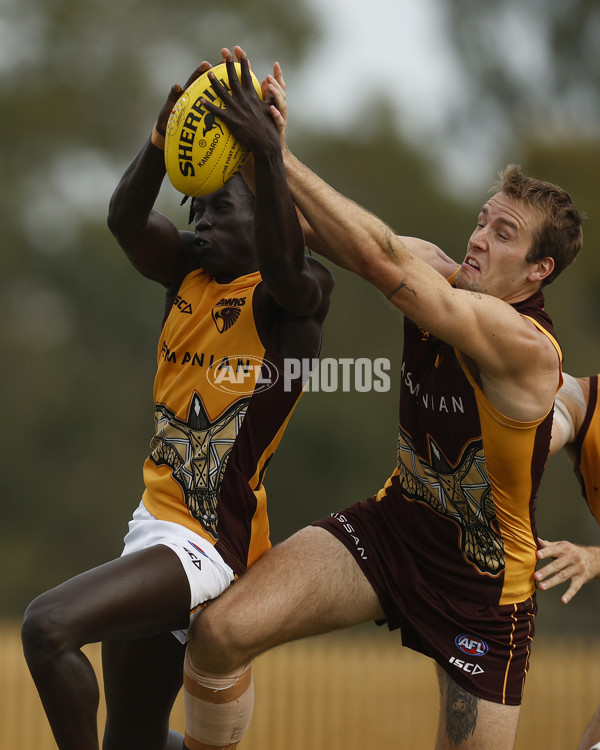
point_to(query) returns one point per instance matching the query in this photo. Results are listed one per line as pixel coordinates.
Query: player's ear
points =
(541, 269)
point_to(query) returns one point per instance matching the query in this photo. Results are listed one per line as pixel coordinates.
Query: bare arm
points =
(297, 285)
(151, 241)
(517, 364)
(569, 411)
(351, 236)
(274, 85)
(568, 562)
(426, 251)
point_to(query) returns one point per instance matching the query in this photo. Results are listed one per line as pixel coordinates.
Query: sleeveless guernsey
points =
(222, 404)
(449, 543)
(467, 476)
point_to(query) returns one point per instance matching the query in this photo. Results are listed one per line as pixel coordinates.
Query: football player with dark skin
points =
(252, 244)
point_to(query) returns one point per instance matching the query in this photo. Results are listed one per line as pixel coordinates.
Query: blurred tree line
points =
(80, 87)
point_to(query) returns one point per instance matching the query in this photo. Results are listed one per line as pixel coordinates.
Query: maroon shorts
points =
(485, 649)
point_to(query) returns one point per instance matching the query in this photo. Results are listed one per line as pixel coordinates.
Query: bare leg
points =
(592, 732)
(311, 584)
(307, 585)
(470, 723)
(141, 681)
(139, 595)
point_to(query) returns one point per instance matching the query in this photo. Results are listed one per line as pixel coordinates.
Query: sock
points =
(174, 741)
(218, 708)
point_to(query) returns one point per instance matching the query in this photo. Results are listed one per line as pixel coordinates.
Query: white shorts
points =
(207, 573)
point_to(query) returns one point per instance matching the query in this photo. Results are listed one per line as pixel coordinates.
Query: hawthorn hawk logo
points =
(226, 312)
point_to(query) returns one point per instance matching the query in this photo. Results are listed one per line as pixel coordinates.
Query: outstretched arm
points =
(569, 562)
(297, 285)
(353, 237)
(340, 252)
(150, 240)
(514, 361)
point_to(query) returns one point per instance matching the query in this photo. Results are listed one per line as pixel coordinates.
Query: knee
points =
(45, 628)
(212, 644)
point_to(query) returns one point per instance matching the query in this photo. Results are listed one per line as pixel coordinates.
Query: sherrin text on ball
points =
(201, 154)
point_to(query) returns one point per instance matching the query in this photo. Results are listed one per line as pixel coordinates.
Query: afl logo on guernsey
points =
(468, 644)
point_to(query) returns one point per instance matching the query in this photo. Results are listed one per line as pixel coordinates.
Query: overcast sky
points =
(397, 48)
(394, 46)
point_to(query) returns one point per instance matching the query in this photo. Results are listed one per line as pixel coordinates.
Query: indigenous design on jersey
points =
(196, 451)
(214, 436)
(461, 492)
(462, 497)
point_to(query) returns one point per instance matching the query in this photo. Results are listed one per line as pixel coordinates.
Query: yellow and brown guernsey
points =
(463, 494)
(587, 445)
(222, 403)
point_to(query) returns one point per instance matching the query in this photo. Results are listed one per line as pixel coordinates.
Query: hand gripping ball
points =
(201, 154)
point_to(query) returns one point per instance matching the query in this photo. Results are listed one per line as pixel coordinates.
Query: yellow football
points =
(201, 154)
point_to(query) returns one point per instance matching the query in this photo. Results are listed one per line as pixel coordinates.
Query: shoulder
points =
(575, 394)
(323, 275)
(570, 408)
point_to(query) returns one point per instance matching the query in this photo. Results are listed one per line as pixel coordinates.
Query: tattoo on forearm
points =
(389, 236)
(461, 713)
(402, 285)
